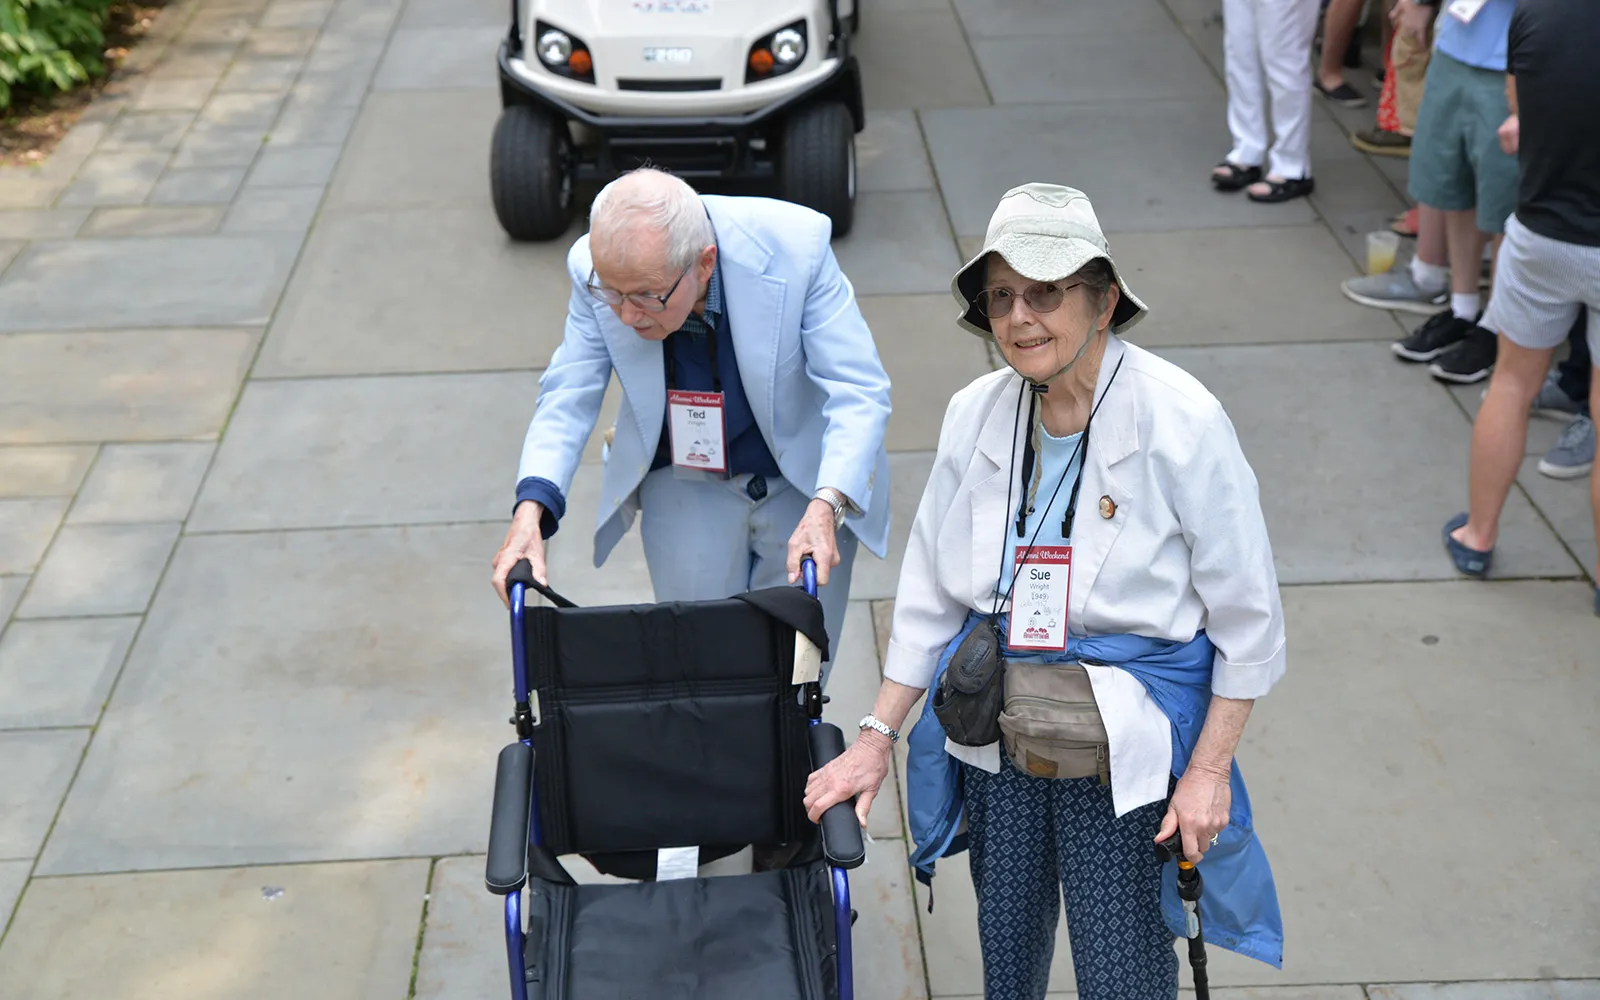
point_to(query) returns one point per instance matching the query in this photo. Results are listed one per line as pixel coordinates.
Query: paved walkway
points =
(265, 364)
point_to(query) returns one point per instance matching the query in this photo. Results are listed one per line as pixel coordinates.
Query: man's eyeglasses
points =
(641, 300)
(1041, 297)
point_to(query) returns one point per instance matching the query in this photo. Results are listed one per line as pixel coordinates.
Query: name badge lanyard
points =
(697, 420)
(1028, 458)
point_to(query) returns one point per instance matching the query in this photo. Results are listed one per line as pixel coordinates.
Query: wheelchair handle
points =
(808, 575)
(522, 573)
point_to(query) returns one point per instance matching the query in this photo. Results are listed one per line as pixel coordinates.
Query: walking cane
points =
(1190, 888)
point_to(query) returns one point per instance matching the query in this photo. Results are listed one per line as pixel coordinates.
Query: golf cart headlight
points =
(788, 47)
(555, 47)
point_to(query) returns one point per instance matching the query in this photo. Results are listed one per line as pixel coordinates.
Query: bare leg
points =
(1499, 438)
(1466, 250)
(1338, 25)
(1594, 474)
(1432, 243)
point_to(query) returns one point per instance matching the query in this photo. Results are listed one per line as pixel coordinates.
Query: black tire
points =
(530, 174)
(817, 162)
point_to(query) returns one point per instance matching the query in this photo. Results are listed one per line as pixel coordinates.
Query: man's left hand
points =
(814, 537)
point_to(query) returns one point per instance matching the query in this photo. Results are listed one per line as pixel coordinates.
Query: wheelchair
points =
(647, 733)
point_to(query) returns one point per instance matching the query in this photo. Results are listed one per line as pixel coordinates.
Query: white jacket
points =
(1186, 548)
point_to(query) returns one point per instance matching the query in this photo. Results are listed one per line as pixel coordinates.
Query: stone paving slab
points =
(461, 436)
(219, 147)
(125, 385)
(852, 685)
(142, 482)
(916, 59)
(890, 154)
(58, 673)
(374, 295)
(1136, 159)
(928, 359)
(1308, 415)
(288, 210)
(102, 284)
(874, 578)
(440, 59)
(203, 186)
(13, 876)
(1192, 281)
(100, 569)
(301, 696)
(198, 220)
(391, 160)
(293, 166)
(8, 251)
(1565, 505)
(26, 527)
(41, 223)
(43, 471)
(334, 932)
(1569, 989)
(11, 588)
(1026, 18)
(1143, 66)
(900, 245)
(453, 14)
(113, 178)
(35, 767)
(1543, 432)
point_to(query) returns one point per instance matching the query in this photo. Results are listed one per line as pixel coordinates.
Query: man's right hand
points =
(523, 541)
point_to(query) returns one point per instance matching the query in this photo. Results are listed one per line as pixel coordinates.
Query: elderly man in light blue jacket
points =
(754, 404)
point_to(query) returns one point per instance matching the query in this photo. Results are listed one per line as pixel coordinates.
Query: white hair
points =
(650, 200)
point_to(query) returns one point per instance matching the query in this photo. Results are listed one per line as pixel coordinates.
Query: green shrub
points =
(49, 44)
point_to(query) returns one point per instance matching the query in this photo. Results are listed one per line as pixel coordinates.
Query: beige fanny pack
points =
(1051, 725)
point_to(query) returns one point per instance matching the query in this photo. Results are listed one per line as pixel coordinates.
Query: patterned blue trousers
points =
(1028, 835)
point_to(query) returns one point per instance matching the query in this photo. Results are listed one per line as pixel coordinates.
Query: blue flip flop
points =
(1469, 561)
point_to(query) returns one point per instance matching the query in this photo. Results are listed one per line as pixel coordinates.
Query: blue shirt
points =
(1481, 44)
(1054, 455)
(691, 359)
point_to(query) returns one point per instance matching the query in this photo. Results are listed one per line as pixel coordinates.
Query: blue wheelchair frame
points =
(516, 937)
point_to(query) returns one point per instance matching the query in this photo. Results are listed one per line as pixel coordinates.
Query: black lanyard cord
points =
(711, 351)
(1072, 503)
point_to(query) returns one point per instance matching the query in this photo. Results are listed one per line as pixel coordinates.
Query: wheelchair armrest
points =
(507, 868)
(841, 834)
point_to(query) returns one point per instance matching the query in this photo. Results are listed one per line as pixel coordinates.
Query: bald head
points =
(648, 219)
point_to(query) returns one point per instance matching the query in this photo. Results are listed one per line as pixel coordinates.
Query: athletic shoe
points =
(1394, 289)
(1551, 401)
(1432, 338)
(1382, 142)
(1343, 94)
(1469, 361)
(1573, 455)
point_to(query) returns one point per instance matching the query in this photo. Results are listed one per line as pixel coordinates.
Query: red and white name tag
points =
(695, 421)
(1042, 579)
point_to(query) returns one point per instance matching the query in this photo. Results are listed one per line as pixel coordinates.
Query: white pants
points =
(705, 538)
(1270, 39)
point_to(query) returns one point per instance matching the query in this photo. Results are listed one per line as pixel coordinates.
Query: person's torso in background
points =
(1555, 57)
(1482, 41)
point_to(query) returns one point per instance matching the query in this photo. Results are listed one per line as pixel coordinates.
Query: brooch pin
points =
(1108, 508)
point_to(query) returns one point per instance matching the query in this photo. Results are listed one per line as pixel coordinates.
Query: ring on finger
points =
(1213, 840)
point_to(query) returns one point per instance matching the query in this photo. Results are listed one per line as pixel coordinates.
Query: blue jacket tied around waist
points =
(1239, 910)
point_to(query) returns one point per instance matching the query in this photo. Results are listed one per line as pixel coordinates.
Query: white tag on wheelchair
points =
(677, 862)
(807, 660)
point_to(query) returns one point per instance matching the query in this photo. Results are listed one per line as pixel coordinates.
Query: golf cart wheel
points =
(530, 174)
(817, 163)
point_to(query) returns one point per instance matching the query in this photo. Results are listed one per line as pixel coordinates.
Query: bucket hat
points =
(1046, 232)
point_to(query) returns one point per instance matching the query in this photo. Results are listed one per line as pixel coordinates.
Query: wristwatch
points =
(833, 498)
(878, 725)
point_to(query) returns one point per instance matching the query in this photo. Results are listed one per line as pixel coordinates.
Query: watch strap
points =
(878, 725)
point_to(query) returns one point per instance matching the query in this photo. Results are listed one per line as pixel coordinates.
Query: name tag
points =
(699, 434)
(1465, 10)
(1039, 598)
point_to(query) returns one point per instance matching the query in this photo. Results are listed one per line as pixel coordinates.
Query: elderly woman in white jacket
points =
(1088, 505)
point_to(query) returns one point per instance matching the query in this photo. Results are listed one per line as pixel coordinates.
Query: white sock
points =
(1464, 305)
(1430, 279)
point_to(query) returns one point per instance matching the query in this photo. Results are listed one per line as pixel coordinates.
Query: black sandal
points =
(1236, 178)
(1295, 187)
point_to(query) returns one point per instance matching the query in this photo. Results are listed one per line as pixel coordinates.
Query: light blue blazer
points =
(806, 358)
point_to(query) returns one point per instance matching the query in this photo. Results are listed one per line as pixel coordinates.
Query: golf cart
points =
(763, 91)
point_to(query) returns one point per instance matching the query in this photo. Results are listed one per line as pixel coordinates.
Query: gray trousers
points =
(706, 538)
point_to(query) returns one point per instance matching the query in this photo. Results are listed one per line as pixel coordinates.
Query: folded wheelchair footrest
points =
(768, 935)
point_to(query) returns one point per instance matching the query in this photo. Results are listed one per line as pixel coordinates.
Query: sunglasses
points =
(641, 300)
(1041, 297)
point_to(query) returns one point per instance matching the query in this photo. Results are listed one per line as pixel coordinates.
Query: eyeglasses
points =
(642, 300)
(1041, 297)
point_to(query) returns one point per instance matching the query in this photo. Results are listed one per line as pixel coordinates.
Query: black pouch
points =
(971, 693)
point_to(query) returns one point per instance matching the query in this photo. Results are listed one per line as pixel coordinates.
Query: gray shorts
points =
(1539, 286)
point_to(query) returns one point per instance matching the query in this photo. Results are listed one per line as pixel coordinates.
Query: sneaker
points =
(1432, 338)
(1394, 289)
(1469, 361)
(1573, 455)
(1343, 95)
(1382, 142)
(1551, 401)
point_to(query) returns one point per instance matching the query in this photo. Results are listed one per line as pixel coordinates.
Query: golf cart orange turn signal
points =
(582, 63)
(761, 61)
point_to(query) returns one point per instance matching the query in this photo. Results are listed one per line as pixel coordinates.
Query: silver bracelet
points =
(877, 725)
